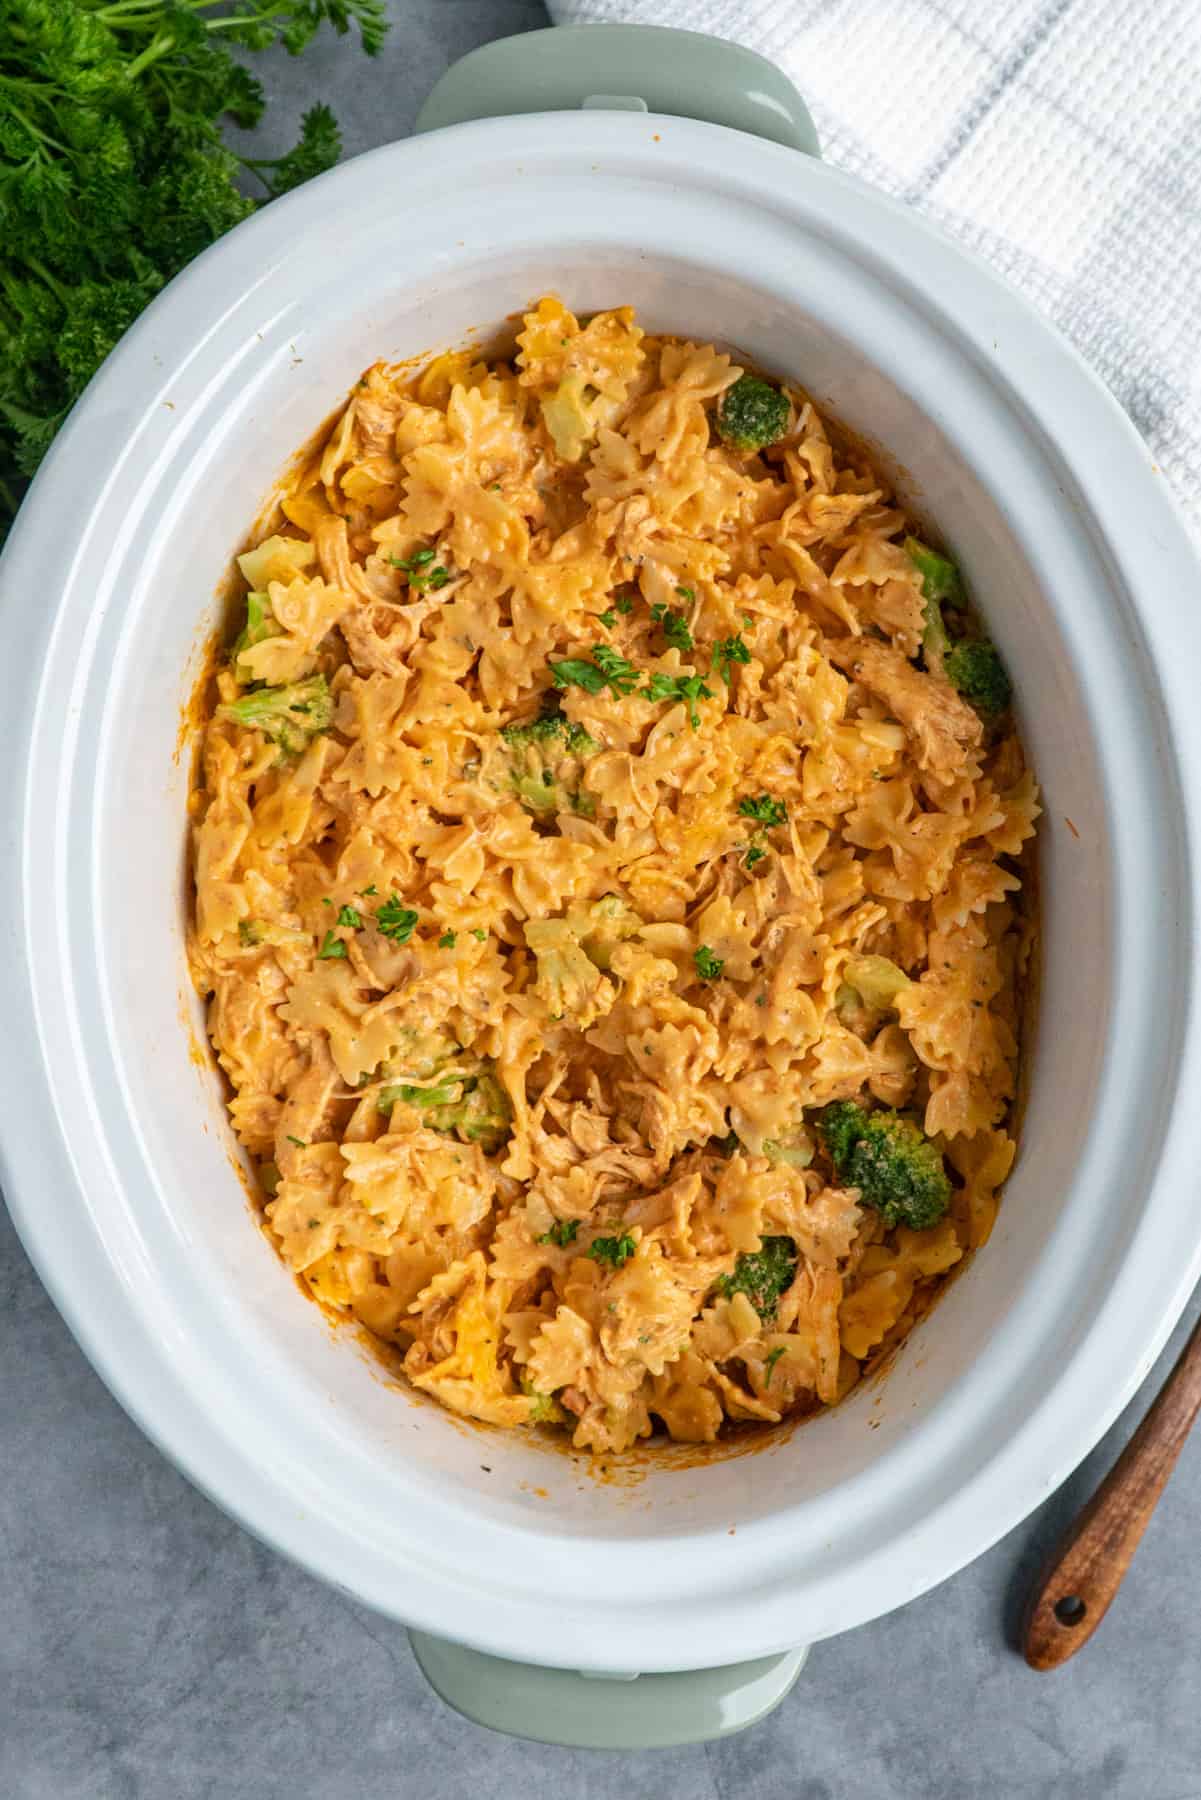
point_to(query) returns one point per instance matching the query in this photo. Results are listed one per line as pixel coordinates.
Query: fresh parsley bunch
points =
(113, 175)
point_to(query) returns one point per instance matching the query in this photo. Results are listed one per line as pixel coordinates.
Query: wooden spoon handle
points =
(1074, 1591)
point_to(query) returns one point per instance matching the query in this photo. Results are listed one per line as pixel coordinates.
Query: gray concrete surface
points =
(150, 1650)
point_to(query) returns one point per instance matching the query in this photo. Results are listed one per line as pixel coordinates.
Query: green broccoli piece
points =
(545, 1409)
(424, 1098)
(972, 666)
(975, 670)
(795, 1149)
(260, 623)
(568, 982)
(896, 1168)
(872, 982)
(475, 1108)
(762, 1275)
(292, 715)
(543, 763)
(601, 925)
(941, 581)
(752, 414)
(483, 1116)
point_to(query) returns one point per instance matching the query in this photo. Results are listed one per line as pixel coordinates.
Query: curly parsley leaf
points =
(766, 811)
(562, 1233)
(729, 650)
(675, 626)
(690, 688)
(708, 966)
(114, 174)
(395, 920)
(606, 669)
(612, 1250)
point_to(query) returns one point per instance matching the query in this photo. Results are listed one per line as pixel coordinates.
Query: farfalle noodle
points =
(529, 1045)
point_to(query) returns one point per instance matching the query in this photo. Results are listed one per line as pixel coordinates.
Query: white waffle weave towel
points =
(1060, 139)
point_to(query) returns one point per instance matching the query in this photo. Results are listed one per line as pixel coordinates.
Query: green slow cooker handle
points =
(626, 68)
(605, 1711)
(652, 69)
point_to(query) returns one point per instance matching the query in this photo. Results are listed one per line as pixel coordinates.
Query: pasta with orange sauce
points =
(600, 873)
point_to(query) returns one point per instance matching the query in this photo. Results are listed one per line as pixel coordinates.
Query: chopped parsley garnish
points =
(396, 921)
(367, 892)
(675, 626)
(755, 853)
(766, 811)
(476, 932)
(708, 966)
(606, 670)
(331, 949)
(607, 619)
(770, 1361)
(562, 1233)
(447, 940)
(686, 593)
(349, 916)
(691, 688)
(612, 1250)
(729, 650)
(624, 602)
(420, 574)
(299, 1142)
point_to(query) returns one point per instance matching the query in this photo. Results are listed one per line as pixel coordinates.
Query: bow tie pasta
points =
(608, 865)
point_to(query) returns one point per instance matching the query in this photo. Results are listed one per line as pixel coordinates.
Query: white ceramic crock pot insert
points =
(117, 1152)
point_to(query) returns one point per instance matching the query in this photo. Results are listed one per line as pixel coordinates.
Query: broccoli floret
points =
(941, 581)
(795, 1149)
(762, 1275)
(260, 623)
(424, 1097)
(752, 414)
(291, 715)
(601, 925)
(975, 670)
(972, 666)
(568, 982)
(483, 1116)
(872, 982)
(544, 1408)
(544, 758)
(896, 1168)
(474, 1107)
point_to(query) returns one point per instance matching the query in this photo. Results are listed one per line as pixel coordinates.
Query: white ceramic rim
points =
(1109, 470)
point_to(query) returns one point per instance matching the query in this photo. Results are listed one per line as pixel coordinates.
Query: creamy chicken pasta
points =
(608, 888)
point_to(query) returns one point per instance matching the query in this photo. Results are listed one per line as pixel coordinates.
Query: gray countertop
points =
(150, 1650)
